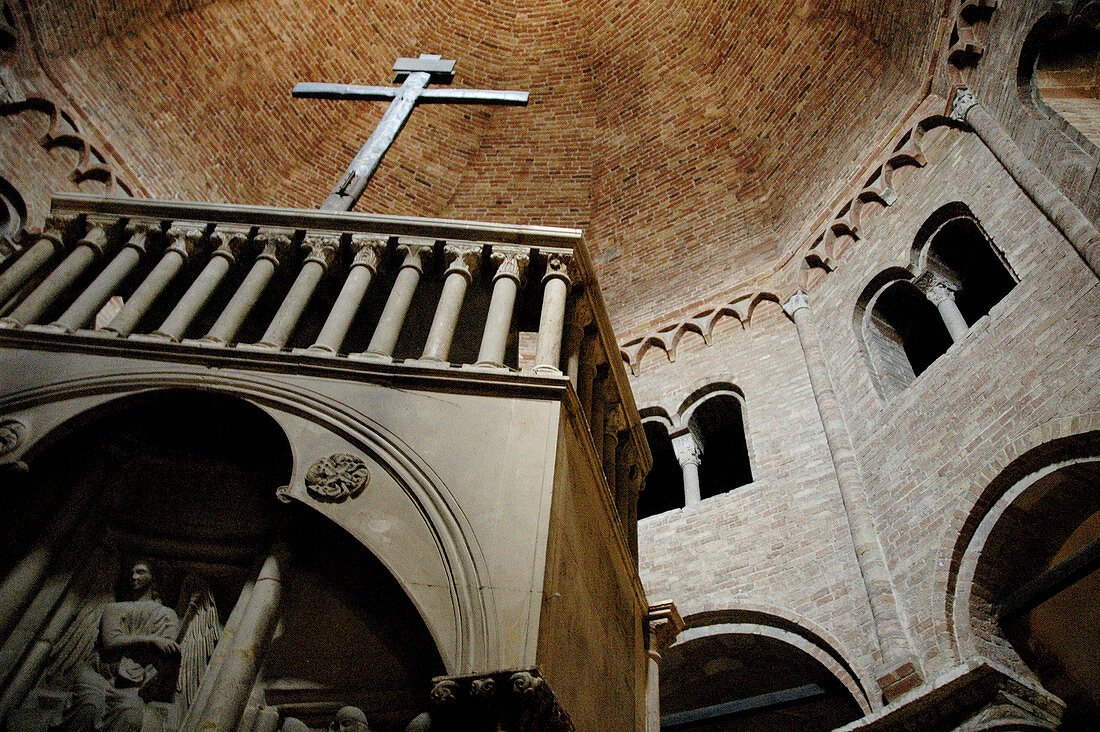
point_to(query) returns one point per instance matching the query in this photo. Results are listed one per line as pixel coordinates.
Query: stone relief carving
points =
(12, 432)
(337, 478)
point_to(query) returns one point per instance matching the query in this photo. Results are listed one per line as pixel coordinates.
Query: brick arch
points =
(794, 629)
(1038, 447)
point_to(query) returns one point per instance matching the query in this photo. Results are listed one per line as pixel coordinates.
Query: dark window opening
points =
(903, 316)
(962, 249)
(718, 426)
(664, 486)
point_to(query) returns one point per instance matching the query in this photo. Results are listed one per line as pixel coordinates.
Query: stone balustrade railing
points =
(321, 285)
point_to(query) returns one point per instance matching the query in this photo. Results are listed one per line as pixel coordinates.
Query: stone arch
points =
(715, 412)
(465, 634)
(791, 629)
(1062, 31)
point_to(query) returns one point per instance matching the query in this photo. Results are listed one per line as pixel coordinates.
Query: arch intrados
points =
(866, 316)
(461, 554)
(656, 415)
(968, 566)
(809, 634)
(707, 392)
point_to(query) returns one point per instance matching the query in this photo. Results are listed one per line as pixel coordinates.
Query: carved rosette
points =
(336, 478)
(517, 701)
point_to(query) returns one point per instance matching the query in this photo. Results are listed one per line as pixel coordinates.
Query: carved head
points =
(350, 719)
(143, 582)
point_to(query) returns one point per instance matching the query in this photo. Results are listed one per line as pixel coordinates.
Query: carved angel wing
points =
(199, 620)
(76, 647)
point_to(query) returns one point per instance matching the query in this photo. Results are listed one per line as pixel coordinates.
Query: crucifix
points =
(415, 75)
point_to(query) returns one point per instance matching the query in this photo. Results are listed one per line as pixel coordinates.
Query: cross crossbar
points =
(415, 75)
(314, 90)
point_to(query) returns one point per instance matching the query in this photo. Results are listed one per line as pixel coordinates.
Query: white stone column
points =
(364, 265)
(555, 285)
(321, 250)
(580, 317)
(237, 674)
(689, 453)
(88, 303)
(274, 248)
(90, 248)
(663, 624)
(511, 269)
(50, 243)
(183, 242)
(389, 326)
(462, 264)
(941, 293)
(230, 245)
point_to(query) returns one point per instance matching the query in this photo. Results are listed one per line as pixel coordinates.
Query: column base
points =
(371, 356)
(515, 700)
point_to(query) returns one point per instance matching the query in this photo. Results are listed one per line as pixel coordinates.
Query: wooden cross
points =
(416, 74)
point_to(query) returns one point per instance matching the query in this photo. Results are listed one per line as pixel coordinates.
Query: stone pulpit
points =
(268, 466)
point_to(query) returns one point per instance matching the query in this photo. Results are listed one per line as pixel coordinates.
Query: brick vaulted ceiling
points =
(692, 140)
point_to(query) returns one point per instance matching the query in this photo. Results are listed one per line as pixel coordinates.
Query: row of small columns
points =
(231, 246)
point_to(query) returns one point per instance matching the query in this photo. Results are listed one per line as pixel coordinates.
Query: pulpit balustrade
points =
(324, 285)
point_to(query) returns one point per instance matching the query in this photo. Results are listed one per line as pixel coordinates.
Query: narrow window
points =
(718, 426)
(664, 486)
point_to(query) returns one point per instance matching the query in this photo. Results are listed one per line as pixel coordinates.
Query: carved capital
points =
(688, 450)
(582, 313)
(462, 258)
(274, 246)
(615, 422)
(415, 254)
(796, 302)
(230, 244)
(664, 623)
(54, 230)
(367, 250)
(97, 235)
(321, 248)
(337, 478)
(184, 239)
(559, 265)
(961, 105)
(513, 700)
(137, 235)
(936, 287)
(511, 262)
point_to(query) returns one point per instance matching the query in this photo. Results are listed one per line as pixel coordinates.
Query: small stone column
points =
(274, 247)
(183, 242)
(898, 670)
(1082, 235)
(555, 285)
(237, 674)
(321, 251)
(689, 453)
(663, 623)
(597, 418)
(613, 424)
(364, 265)
(50, 243)
(230, 246)
(90, 248)
(511, 269)
(575, 329)
(462, 261)
(941, 293)
(96, 294)
(416, 256)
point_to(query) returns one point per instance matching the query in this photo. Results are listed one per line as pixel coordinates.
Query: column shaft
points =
(96, 294)
(459, 274)
(183, 244)
(689, 455)
(1066, 217)
(244, 299)
(363, 267)
(203, 288)
(321, 252)
(552, 318)
(22, 269)
(61, 279)
(237, 674)
(952, 318)
(511, 266)
(893, 642)
(389, 326)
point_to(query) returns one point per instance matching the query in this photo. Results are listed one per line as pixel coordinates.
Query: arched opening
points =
(954, 246)
(716, 680)
(1060, 73)
(186, 481)
(719, 428)
(664, 486)
(1036, 576)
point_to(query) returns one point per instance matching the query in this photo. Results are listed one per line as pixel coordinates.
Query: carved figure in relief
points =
(134, 652)
(350, 719)
(293, 724)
